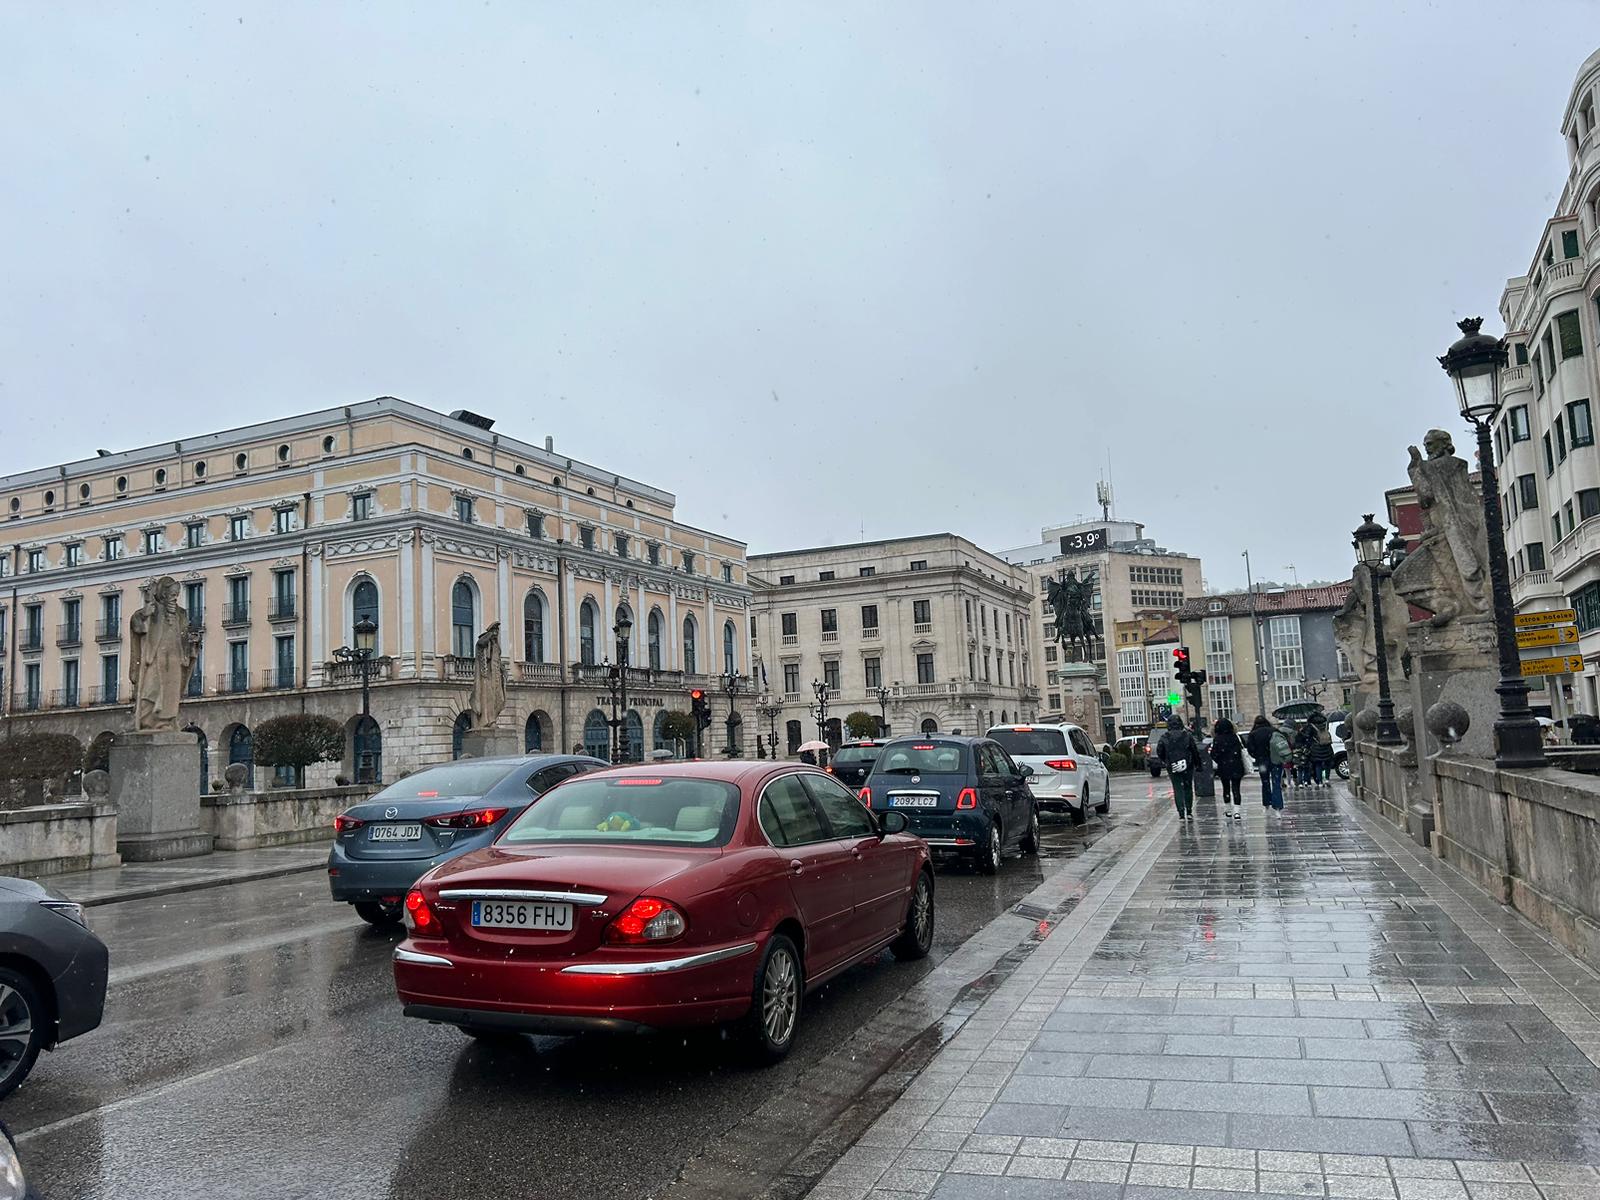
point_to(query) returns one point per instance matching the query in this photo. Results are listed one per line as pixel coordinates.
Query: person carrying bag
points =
(1181, 754)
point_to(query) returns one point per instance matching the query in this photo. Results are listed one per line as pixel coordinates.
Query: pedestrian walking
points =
(1227, 752)
(1259, 743)
(1280, 756)
(1304, 739)
(1321, 751)
(1181, 754)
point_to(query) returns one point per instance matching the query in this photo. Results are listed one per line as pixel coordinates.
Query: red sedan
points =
(665, 896)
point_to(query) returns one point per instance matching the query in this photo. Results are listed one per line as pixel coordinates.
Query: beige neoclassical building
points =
(282, 535)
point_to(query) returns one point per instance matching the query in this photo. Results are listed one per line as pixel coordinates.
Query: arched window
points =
(1004, 720)
(730, 651)
(533, 732)
(533, 628)
(596, 735)
(363, 606)
(463, 620)
(659, 739)
(791, 733)
(929, 725)
(459, 731)
(586, 624)
(632, 737)
(688, 645)
(654, 633)
(241, 749)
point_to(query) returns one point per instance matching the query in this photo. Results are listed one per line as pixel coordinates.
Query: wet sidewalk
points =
(1302, 1004)
(137, 881)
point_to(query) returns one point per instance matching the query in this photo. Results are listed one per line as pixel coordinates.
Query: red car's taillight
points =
(646, 920)
(344, 824)
(866, 796)
(473, 818)
(422, 918)
(967, 799)
(1062, 764)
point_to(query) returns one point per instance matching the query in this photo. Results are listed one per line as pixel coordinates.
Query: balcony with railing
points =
(70, 634)
(277, 679)
(922, 627)
(870, 635)
(29, 701)
(1533, 584)
(106, 693)
(108, 631)
(283, 609)
(343, 671)
(196, 618)
(457, 666)
(31, 641)
(233, 683)
(830, 635)
(791, 639)
(236, 614)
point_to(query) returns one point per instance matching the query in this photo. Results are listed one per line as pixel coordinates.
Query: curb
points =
(197, 885)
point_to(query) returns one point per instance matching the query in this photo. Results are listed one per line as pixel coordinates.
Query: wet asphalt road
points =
(253, 1046)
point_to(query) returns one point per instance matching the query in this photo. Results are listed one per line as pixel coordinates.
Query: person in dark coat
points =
(1181, 754)
(1321, 751)
(1259, 742)
(1304, 739)
(1227, 751)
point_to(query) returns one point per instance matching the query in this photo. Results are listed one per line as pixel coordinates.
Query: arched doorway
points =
(457, 732)
(533, 738)
(597, 735)
(929, 725)
(632, 737)
(658, 734)
(793, 736)
(368, 751)
(1004, 720)
(242, 750)
(834, 732)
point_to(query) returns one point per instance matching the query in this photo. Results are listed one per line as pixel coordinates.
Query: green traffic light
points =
(1175, 699)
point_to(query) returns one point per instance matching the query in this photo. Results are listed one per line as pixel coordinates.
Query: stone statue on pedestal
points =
(489, 681)
(1448, 571)
(163, 650)
(1071, 599)
(1352, 628)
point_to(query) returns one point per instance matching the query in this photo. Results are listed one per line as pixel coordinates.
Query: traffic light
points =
(1180, 664)
(1191, 690)
(699, 708)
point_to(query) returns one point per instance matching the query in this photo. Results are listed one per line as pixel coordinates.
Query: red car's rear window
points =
(630, 809)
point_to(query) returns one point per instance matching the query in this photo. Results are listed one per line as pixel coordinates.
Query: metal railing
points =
(106, 693)
(235, 614)
(283, 609)
(233, 683)
(341, 671)
(70, 634)
(277, 679)
(108, 631)
(32, 641)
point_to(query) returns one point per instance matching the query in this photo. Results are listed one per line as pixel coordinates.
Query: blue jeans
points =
(1272, 786)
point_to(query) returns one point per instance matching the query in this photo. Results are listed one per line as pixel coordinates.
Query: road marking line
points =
(152, 1094)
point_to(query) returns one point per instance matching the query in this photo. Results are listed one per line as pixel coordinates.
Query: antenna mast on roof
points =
(1102, 494)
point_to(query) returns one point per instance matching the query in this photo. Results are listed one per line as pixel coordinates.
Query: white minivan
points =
(1068, 773)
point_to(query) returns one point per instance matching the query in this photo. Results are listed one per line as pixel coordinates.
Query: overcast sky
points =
(902, 266)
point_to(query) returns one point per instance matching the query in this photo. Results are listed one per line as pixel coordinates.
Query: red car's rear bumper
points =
(617, 990)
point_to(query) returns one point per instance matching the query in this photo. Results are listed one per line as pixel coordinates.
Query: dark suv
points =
(852, 762)
(964, 796)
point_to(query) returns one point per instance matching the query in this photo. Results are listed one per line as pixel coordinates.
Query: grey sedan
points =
(383, 846)
(52, 976)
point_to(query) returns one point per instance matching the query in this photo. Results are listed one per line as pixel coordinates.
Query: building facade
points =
(941, 625)
(283, 534)
(1134, 579)
(1144, 672)
(1287, 643)
(1544, 439)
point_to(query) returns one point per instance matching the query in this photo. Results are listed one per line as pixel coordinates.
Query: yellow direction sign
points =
(1567, 664)
(1562, 635)
(1556, 616)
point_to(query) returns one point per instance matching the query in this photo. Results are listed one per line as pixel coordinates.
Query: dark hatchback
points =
(384, 845)
(852, 762)
(964, 796)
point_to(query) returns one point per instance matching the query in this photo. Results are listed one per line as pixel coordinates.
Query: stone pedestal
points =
(1456, 662)
(157, 802)
(1080, 698)
(493, 742)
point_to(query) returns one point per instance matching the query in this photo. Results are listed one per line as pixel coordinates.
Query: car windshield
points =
(631, 809)
(447, 782)
(857, 756)
(923, 758)
(1017, 742)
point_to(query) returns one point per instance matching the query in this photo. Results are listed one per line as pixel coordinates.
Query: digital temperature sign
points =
(1085, 541)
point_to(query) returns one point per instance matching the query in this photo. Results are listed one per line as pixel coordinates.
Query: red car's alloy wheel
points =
(780, 995)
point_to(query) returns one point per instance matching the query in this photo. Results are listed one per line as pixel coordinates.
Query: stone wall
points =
(1383, 782)
(280, 817)
(52, 838)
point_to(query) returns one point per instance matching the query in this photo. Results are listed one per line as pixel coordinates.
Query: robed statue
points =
(1447, 572)
(1352, 629)
(1071, 600)
(163, 650)
(488, 679)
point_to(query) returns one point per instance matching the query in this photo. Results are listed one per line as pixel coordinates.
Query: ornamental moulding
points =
(360, 546)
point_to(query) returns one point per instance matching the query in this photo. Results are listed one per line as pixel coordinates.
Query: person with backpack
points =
(1305, 737)
(1227, 751)
(1179, 751)
(1280, 755)
(1259, 743)
(1321, 751)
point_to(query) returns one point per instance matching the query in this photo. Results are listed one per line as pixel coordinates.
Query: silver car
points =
(1068, 773)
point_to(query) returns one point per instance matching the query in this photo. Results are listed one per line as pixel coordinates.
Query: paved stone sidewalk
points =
(138, 881)
(1301, 1004)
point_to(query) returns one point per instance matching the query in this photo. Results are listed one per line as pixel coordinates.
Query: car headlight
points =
(69, 909)
(12, 1184)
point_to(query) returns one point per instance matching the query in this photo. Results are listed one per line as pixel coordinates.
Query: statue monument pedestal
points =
(153, 788)
(1456, 662)
(1080, 698)
(493, 742)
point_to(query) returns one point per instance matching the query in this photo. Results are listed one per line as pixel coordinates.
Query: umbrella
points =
(815, 745)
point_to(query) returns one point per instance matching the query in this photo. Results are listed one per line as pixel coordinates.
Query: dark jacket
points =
(1259, 743)
(1178, 745)
(1228, 753)
(1321, 743)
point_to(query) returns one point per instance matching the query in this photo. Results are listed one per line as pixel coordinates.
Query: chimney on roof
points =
(549, 444)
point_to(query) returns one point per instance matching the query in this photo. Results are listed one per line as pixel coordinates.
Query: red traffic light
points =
(1180, 655)
(697, 694)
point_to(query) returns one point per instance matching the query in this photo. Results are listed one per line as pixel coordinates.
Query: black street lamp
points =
(620, 630)
(1368, 541)
(366, 636)
(882, 693)
(732, 685)
(769, 708)
(1474, 364)
(819, 710)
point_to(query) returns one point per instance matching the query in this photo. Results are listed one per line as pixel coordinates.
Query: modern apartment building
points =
(284, 534)
(1134, 578)
(1289, 642)
(1544, 440)
(942, 626)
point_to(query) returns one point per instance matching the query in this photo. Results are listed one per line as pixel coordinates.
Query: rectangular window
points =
(1586, 604)
(688, 562)
(1520, 431)
(1566, 510)
(32, 686)
(1580, 427)
(1288, 662)
(830, 674)
(869, 616)
(790, 624)
(619, 544)
(869, 570)
(361, 506)
(1549, 457)
(282, 594)
(727, 572)
(785, 579)
(110, 616)
(824, 576)
(35, 561)
(33, 627)
(1555, 527)
(464, 510)
(1588, 503)
(1050, 654)
(110, 677)
(283, 661)
(1529, 488)
(1569, 243)
(283, 520)
(238, 667)
(238, 527)
(1548, 348)
(925, 668)
(71, 621)
(1522, 354)
(653, 554)
(830, 620)
(1561, 441)
(1569, 335)
(1538, 375)
(921, 612)
(75, 554)
(919, 564)
(1535, 556)
(194, 603)
(154, 541)
(113, 548)
(194, 535)
(873, 669)
(791, 679)
(586, 537)
(983, 619)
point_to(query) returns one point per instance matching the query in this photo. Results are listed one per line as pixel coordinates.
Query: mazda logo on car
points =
(390, 813)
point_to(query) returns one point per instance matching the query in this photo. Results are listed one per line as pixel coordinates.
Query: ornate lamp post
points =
(769, 709)
(732, 685)
(366, 636)
(619, 693)
(882, 695)
(1474, 364)
(1368, 541)
(819, 710)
